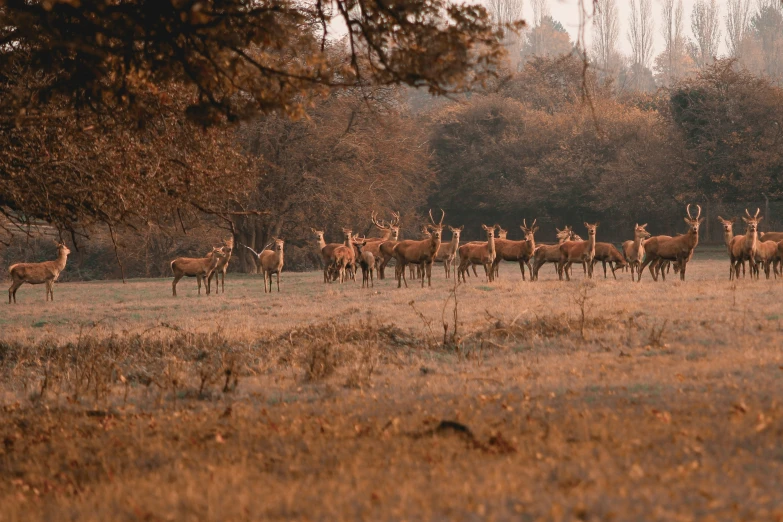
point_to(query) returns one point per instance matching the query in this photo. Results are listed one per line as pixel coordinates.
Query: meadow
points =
(597, 400)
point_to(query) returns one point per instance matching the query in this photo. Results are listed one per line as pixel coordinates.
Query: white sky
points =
(567, 13)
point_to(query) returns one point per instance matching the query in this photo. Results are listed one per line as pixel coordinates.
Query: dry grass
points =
(553, 401)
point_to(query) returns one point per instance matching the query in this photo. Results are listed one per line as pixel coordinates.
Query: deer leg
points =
(174, 285)
(604, 263)
(428, 269)
(12, 291)
(278, 281)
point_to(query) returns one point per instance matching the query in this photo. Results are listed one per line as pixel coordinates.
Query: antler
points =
(524, 223)
(688, 210)
(757, 213)
(698, 214)
(375, 222)
(442, 217)
(395, 219)
(533, 225)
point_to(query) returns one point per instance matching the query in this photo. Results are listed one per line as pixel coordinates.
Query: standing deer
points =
(447, 253)
(519, 251)
(678, 249)
(389, 232)
(478, 253)
(607, 253)
(38, 273)
(366, 263)
(549, 253)
(728, 235)
(419, 252)
(743, 248)
(200, 268)
(271, 262)
(633, 251)
(578, 251)
(222, 266)
(766, 255)
(326, 251)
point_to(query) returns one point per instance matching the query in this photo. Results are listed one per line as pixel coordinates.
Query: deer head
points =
(694, 222)
(278, 247)
(640, 231)
(591, 229)
(727, 224)
(437, 228)
(455, 233)
(348, 235)
(502, 233)
(529, 231)
(752, 221)
(62, 249)
(490, 231)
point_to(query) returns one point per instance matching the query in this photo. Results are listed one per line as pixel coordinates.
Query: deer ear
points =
(688, 221)
(759, 219)
(644, 226)
(585, 224)
(743, 219)
(535, 229)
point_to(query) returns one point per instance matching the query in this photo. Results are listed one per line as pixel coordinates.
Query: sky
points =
(567, 13)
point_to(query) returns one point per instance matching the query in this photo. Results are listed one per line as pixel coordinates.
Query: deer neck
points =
(321, 243)
(454, 243)
(751, 238)
(591, 245)
(727, 237)
(531, 244)
(434, 244)
(62, 258)
(491, 245)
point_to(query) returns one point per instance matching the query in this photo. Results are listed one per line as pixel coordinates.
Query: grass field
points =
(607, 400)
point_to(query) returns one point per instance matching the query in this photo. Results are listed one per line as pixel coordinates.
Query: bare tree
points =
(705, 24)
(674, 41)
(737, 21)
(505, 13)
(606, 32)
(540, 10)
(640, 33)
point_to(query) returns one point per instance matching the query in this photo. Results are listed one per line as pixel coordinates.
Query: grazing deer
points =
(222, 266)
(419, 252)
(633, 251)
(38, 273)
(271, 262)
(743, 248)
(200, 268)
(366, 263)
(326, 251)
(579, 251)
(607, 253)
(549, 253)
(519, 251)
(766, 255)
(447, 253)
(479, 253)
(678, 249)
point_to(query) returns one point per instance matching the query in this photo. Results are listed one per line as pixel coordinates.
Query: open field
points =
(610, 400)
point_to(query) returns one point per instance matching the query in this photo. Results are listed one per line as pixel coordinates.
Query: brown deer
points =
(417, 271)
(578, 251)
(222, 266)
(607, 253)
(419, 252)
(728, 235)
(200, 268)
(38, 273)
(327, 253)
(271, 263)
(479, 253)
(678, 249)
(633, 251)
(549, 253)
(519, 251)
(366, 263)
(447, 253)
(743, 248)
(766, 255)
(776, 237)
(389, 232)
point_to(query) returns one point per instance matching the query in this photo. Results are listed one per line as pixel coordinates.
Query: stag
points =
(200, 268)
(389, 232)
(519, 251)
(578, 251)
(633, 251)
(420, 252)
(677, 249)
(479, 253)
(38, 273)
(743, 248)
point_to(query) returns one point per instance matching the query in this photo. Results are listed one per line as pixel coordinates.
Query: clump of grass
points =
(320, 360)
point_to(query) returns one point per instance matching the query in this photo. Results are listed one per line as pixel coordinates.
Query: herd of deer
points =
(341, 261)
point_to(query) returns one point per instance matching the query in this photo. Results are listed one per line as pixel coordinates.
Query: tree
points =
(737, 25)
(606, 33)
(671, 64)
(505, 13)
(68, 65)
(767, 32)
(548, 38)
(640, 36)
(705, 24)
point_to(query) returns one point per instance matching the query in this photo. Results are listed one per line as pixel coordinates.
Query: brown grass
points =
(555, 401)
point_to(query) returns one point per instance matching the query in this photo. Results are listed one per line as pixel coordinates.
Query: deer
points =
(389, 232)
(417, 271)
(366, 263)
(679, 249)
(607, 253)
(479, 253)
(519, 251)
(776, 237)
(728, 235)
(326, 251)
(222, 266)
(447, 253)
(420, 252)
(633, 251)
(38, 273)
(743, 248)
(549, 253)
(766, 255)
(580, 251)
(271, 263)
(200, 268)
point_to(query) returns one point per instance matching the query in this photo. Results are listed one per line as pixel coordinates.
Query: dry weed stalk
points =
(582, 301)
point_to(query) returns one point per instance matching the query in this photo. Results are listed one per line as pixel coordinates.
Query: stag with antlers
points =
(743, 248)
(419, 252)
(519, 251)
(676, 249)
